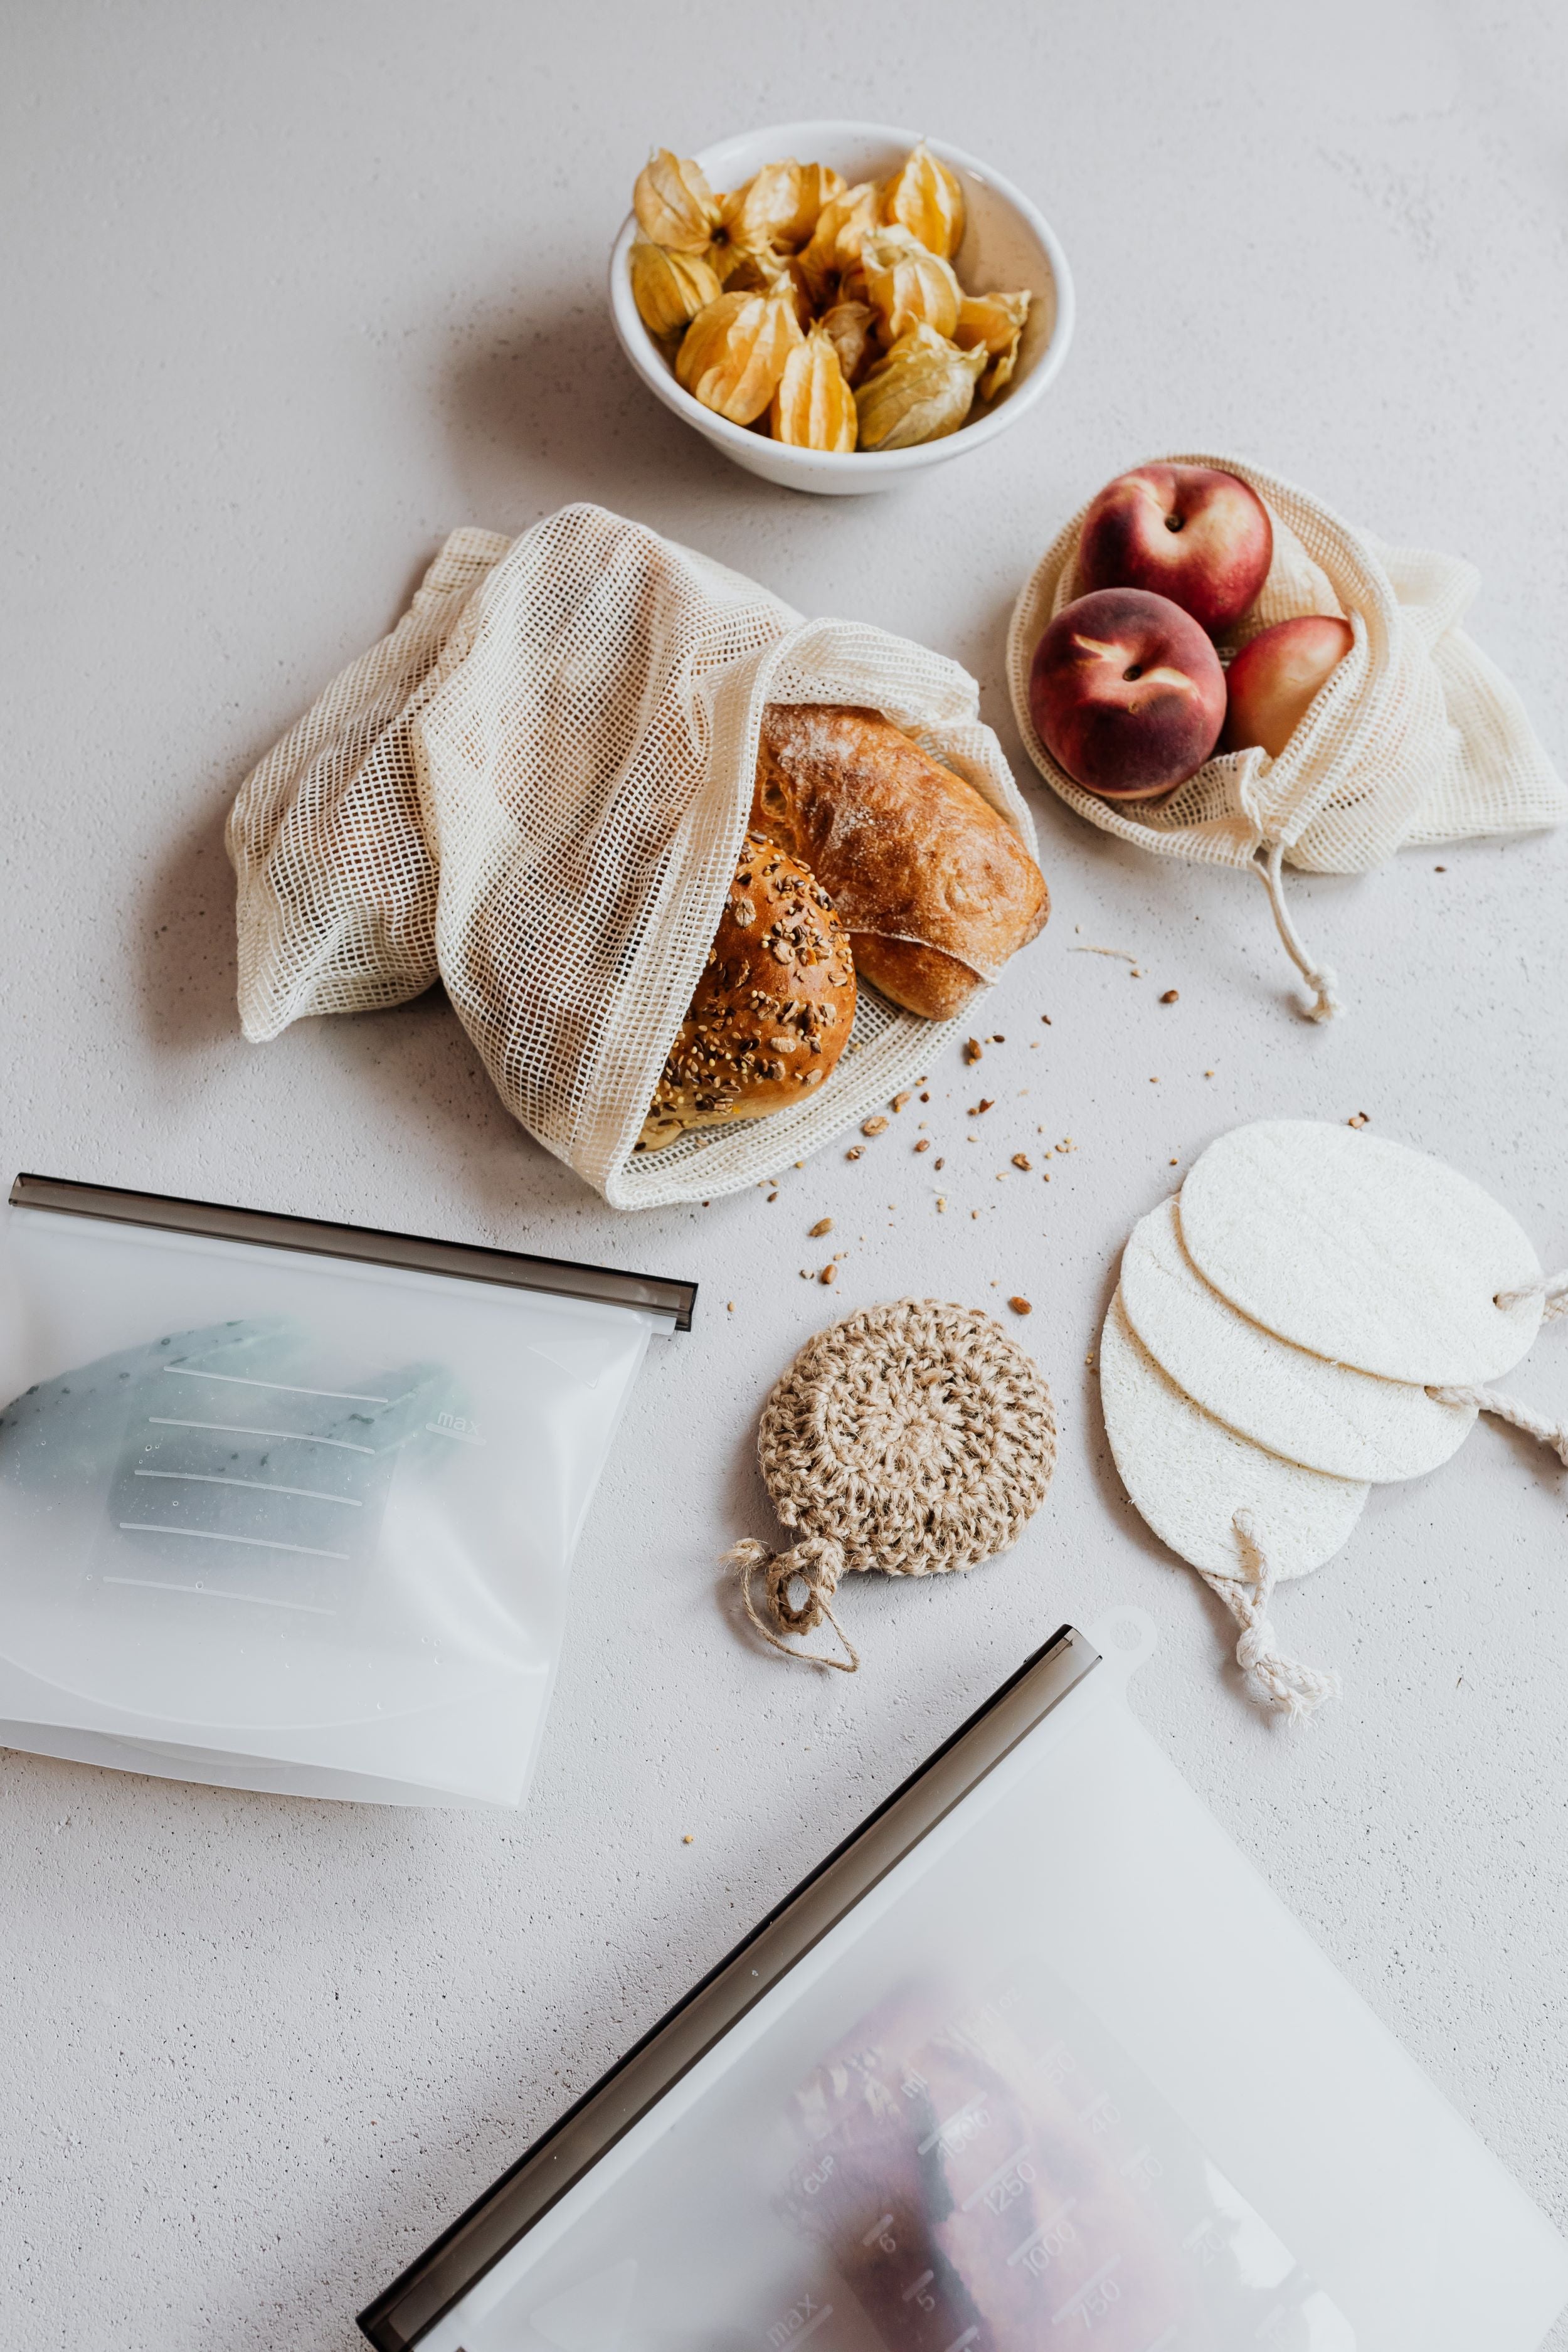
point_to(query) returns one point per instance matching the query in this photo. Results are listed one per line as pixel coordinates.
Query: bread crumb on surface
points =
(1171, 997)
(1358, 1118)
(823, 1225)
(942, 1200)
(873, 1125)
(986, 1103)
(899, 1100)
(730, 1309)
(687, 1839)
(1021, 1160)
(973, 1049)
(852, 1152)
(1020, 1307)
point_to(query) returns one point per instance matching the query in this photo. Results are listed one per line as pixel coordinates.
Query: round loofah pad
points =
(1190, 1476)
(917, 1437)
(1319, 1415)
(1362, 1251)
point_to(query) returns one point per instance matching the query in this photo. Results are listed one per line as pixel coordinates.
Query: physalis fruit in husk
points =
(851, 327)
(994, 323)
(833, 311)
(814, 407)
(908, 286)
(674, 203)
(922, 391)
(733, 353)
(927, 199)
(670, 288)
(835, 241)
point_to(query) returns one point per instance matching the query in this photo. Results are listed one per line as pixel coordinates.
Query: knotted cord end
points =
(816, 1563)
(1320, 979)
(1272, 1680)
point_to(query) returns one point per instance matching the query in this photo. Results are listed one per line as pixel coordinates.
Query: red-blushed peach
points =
(1189, 532)
(1128, 693)
(1273, 681)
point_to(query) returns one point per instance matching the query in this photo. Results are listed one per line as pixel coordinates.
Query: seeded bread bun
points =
(935, 890)
(772, 1011)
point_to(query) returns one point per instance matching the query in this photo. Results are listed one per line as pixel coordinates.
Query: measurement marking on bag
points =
(238, 1428)
(262, 1485)
(207, 1535)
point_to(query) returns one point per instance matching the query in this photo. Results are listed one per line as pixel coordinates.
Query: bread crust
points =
(774, 1008)
(935, 890)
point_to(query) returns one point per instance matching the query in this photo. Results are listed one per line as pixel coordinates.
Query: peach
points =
(1273, 681)
(1198, 536)
(1128, 693)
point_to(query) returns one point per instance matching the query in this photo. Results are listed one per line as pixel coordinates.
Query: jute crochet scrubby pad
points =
(914, 1438)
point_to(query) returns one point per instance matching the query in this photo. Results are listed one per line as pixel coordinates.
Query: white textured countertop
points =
(292, 290)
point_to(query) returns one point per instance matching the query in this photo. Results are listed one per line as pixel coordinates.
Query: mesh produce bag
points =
(536, 789)
(1418, 738)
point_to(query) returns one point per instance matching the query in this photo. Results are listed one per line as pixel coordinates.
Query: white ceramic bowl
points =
(1007, 246)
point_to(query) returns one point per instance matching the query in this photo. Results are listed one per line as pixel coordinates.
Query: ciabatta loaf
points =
(935, 890)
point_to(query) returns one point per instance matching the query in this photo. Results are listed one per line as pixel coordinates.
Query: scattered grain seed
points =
(899, 1100)
(852, 1152)
(873, 1125)
(687, 1839)
(973, 1050)
(823, 1225)
(1439, 869)
(771, 1197)
(1359, 1120)
(939, 1163)
(829, 1274)
(1173, 1163)
(1021, 1160)
(1171, 997)
(942, 1200)
(1154, 1082)
(730, 1309)
(985, 1103)
(924, 1143)
(999, 1039)
(1020, 1307)
(1208, 1074)
(925, 1097)
(1046, 1019)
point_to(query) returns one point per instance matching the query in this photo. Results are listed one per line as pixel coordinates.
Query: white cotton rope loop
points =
(1323, 982)
(1553, 1294)
(1272, 1679)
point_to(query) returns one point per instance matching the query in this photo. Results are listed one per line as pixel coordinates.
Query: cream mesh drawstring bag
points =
(1418, 738)
(535, 790)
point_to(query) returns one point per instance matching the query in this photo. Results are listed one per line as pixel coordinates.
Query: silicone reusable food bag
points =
(1033, 2060)
(290, 1505)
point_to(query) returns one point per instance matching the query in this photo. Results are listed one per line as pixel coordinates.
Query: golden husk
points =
(922, 391)
(835, 241)
(927, 199)
(992, 323)
(819, 183)
(908, 286)
(849, 328)
(674, 203)
(733, 353)
(813, 407)
(670, 288)
(763, 212)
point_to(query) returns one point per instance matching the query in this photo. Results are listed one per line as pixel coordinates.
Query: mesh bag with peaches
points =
(705, 882)
(1208, 662)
